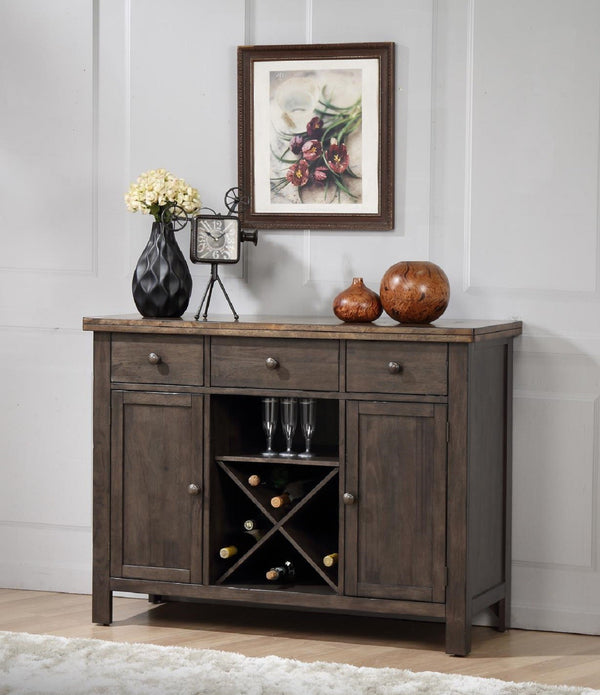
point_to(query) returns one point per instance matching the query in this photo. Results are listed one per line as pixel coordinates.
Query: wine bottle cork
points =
(254, 480)
(228, 551)
(280, 500)
(330, 560)
(272, 575)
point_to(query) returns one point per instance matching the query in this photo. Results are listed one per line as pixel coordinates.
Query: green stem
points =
(338, 182)
(281, 157)
(349, 128)
(278, 184)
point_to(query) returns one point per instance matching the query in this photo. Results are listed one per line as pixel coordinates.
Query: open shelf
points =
(237, 430)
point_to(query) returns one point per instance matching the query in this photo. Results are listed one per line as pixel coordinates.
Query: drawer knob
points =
(193, 489)
(271, 363)
(348, 498)
(153, 358)
(394, 367)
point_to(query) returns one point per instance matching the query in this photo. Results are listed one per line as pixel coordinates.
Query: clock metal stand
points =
(216, 239)
(214, 277)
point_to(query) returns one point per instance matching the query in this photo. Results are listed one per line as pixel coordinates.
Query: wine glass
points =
(289, 415)
(308, 409)
(270, 407)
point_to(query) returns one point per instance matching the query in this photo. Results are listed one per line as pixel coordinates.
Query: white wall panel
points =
(276, 22)
(46, 139)
(45, 413)
(553, 480)
(536, 120)
(45, 557)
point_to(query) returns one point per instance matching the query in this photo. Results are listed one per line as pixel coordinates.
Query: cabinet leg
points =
(155, 598)
(102, 607)
(501, 610)
(458, 638)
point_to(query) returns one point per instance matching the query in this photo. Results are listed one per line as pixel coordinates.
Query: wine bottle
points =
(330, 560)
(282, 573)
(275, 478)
(244, 543)
(255, 533)
(228, 551)
(251, 525)
(292, 492)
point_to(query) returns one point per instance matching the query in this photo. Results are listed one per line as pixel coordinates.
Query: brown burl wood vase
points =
(357, 303)
(415, 291)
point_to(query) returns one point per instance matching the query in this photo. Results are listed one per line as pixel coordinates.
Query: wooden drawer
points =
(388, 367)
(276, 363)
(180, 360)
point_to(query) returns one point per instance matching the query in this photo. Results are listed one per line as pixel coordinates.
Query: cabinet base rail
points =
(284, 598)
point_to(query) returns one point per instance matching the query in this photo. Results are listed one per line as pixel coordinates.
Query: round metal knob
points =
(193, 489)
(153, 358)
(271, 363)
(349, 498)
(394, 367)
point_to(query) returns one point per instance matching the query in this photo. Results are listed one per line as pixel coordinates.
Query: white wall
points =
(497, 161)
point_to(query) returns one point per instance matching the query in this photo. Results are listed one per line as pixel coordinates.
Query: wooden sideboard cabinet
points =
(410, 482)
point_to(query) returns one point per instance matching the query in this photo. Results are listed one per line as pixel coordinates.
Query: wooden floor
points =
(518, 655)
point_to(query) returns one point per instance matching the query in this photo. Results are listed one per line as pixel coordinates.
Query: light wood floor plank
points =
(518, 655)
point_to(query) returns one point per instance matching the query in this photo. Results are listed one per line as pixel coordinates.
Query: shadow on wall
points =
(280, 283)
(401, 137)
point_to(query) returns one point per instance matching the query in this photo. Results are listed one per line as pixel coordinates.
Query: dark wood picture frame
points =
(339, 197)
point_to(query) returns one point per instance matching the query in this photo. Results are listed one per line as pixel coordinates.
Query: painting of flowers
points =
(316, 135)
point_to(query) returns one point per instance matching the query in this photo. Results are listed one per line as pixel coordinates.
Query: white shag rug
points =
(43, 664)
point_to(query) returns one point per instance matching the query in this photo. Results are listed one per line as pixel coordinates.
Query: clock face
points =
(215, 240)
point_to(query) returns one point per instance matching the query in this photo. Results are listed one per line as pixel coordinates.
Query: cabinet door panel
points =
(156, 455)
(396, 461)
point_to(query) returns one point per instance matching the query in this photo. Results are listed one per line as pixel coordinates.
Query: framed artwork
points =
(316, 136)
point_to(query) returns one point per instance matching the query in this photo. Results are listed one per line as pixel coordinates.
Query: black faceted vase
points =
(162, 283)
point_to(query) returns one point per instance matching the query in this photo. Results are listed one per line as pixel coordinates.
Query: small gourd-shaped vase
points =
(357, 303)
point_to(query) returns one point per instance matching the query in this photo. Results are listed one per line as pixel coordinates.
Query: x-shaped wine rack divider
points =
(278, 524)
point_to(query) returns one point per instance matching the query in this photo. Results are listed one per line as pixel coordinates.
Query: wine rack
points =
(285, 529)
(303, 531)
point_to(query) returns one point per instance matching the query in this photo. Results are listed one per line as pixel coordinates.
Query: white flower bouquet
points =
(156, 189)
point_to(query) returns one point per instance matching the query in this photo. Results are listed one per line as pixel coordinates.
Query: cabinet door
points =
(396, 473)
(155, 514)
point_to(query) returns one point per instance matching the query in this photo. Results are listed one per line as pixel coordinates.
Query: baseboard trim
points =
(45, 557)
(553, 620)
(69, 579)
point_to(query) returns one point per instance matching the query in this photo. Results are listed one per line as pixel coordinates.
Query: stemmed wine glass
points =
(289, 415)
(308, 409)
(270, 407)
